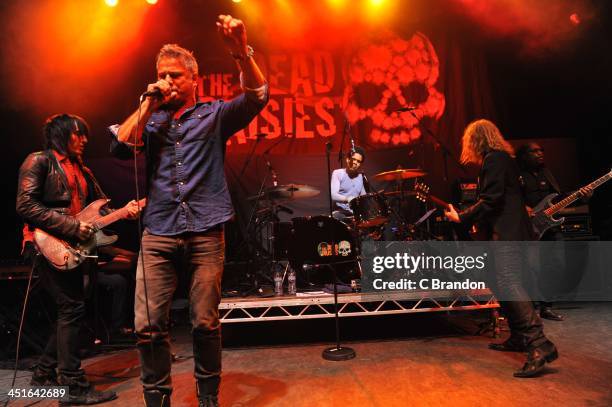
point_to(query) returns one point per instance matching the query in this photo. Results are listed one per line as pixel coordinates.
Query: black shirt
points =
(537, 185)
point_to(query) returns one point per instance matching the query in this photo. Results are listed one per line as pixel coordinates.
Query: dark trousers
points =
(62, 349)
(525, 324)
(114, 286)
(198, 256)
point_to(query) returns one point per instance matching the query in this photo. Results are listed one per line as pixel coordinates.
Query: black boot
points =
(509, 345)
(81, 392)
(43, 377)
(155, 398)
(537, 359)
(548, 313)
(206, 399)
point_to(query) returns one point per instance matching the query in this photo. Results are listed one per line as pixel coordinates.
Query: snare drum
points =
(370, 210)
(319, 241)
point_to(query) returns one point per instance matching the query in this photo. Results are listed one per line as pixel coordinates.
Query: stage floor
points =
(430, 359)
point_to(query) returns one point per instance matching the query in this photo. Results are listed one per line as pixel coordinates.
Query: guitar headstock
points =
(421, 191)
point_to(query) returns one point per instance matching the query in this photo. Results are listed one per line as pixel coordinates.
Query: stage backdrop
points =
(359, 90)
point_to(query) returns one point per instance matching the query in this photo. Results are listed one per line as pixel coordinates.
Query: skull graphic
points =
(344, 248)
(391, 74)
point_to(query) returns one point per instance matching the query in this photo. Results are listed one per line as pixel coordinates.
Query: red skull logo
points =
(391, 74)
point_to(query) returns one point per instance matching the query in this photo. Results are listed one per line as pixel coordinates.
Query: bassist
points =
(538, 182)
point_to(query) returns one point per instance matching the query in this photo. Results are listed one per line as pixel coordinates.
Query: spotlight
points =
(152, 1)
(111, 3)
(236, 1)
(575, 19)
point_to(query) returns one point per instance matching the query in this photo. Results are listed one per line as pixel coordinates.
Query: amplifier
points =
(576, 225)
(15, 271)
(464, 190)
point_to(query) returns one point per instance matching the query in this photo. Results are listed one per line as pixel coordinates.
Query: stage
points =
(430, 359)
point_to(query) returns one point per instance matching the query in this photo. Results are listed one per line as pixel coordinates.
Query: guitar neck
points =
(112, 217)
(438, 202)
(576, 195)
(119, 214)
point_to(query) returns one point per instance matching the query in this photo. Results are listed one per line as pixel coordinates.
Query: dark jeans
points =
(525, 324)
(114, 286)
(200, 257)
(62, 350)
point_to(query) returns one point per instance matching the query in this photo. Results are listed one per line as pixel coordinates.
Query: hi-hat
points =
(397, 175)
(288, 191)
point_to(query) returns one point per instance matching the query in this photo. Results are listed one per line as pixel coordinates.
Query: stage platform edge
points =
(259, 309)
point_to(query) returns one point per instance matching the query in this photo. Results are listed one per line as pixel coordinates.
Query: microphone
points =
(155, 93)
(406, 109)
(274, 177)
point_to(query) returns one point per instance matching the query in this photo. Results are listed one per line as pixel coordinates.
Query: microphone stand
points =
(335, 353)
(250, 156)
(445, 150)
(328, 148)
(345, 131)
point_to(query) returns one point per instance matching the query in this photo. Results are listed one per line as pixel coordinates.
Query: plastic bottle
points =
(278, 283)
(291, 285)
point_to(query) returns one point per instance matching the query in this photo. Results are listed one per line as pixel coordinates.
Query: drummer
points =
(348, 183)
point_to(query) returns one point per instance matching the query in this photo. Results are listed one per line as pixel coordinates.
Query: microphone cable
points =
(139, 222)
(20, 330)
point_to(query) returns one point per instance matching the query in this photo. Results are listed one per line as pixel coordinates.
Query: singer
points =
(348, 183)
(188, 203)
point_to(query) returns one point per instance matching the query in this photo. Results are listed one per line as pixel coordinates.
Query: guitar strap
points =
(551, 180)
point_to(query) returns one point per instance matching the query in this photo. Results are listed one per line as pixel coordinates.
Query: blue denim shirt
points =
(187, 191)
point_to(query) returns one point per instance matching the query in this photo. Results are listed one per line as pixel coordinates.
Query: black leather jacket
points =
(43, 195)
(500, 209)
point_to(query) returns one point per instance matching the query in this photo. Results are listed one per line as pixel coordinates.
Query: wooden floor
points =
(425, 360)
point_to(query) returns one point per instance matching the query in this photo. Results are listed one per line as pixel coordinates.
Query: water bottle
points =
(291, 286)
(278, 283)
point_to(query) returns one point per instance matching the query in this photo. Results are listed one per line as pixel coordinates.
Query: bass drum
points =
(318, 243)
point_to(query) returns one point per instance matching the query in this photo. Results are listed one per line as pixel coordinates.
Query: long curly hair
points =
(480, 137)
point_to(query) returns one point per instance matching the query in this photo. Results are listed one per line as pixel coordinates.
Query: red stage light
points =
(575, 19)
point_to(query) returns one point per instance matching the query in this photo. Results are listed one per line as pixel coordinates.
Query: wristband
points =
(249, 54)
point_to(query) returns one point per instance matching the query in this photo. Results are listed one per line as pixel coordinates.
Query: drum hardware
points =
(286, 193)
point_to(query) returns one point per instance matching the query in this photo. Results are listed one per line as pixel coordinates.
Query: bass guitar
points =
(542, 215)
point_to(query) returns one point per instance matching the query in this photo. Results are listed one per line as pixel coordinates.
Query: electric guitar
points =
(542, 215)
(422, 194)
(67, 255)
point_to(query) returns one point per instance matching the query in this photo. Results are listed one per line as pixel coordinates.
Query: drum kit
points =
(313, 243)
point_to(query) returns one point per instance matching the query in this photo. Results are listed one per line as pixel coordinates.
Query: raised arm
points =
(233, 34)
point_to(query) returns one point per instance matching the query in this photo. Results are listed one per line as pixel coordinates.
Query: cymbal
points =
(288, 191)
(400, 174)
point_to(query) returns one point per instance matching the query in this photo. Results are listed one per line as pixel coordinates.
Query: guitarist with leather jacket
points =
(501, 210)
(53, 187)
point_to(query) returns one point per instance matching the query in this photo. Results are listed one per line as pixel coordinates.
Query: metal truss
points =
(352, 305)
